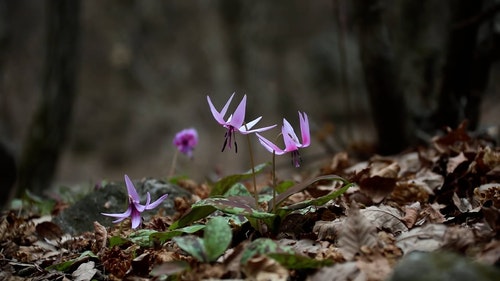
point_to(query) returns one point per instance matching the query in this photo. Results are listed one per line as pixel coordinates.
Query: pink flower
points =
(186, 140)
(135, 209)
(292, 143)
(234, 122)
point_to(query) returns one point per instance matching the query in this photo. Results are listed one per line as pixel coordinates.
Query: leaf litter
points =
(441, 197)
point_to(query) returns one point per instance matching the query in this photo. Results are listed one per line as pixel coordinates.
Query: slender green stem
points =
(273, 175)
(172, 166)
(256, 197)
(253, 173)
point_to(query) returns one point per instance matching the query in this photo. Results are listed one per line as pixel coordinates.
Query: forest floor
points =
(442, 199)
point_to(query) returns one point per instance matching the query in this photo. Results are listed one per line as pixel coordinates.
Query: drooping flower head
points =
(135, 209)
(235, 121)
(292, 143)
(186, 140)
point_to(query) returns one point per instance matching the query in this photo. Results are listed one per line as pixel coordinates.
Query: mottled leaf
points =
(217, 237)
(238, 189)
(193, 245)
(141, 237)
(262, 246)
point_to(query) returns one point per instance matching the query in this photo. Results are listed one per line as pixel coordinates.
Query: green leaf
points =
(64, 266)
(284, 186)
(167, 235)
(141, 237)
(193, 245)
(315, 202)
(197, 212)
(300, 187)
(237, 205)
(295, 261)
(221, 186)
(117, 241)
(217, 237)
(263, 246)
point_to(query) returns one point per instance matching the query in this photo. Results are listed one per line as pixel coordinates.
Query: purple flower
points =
(291, 140)
(186, 140)
(235, 121)
(135, 209)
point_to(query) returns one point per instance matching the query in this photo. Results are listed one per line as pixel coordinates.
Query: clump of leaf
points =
(234, 199)
(217, 236)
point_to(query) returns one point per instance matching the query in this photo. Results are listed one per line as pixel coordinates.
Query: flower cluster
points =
(235, 123)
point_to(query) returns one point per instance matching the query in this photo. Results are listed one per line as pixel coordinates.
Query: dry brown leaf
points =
(427, 238)
(357, 232)
(428, 180)
(379, 180)
(328, 230)
(489, 191)
(458, 238)
(263, 268)
(101, 236)
(463, 204)
(431, 213)
(339, 272)
(454, 140)
(84, 272)
(411, 214)
(386, 218)
(376, 269)
(454, 162)
(340, 161)
(490, 253)
(409, 163)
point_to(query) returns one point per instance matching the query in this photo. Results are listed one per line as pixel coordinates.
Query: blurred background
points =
(91, 90)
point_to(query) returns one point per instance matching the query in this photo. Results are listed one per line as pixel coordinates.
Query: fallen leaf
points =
(84, 272)
(376, 269)
(427, 238)
(411, 214)
(454, 162)
(101, 236)
(263, 268)
(386, 218)
(357, 232)
(339, 272)
(491, 253)
(328, 230)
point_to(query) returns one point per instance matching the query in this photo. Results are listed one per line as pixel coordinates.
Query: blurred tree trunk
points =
(382, 78)
(48, 131)
(464, 72)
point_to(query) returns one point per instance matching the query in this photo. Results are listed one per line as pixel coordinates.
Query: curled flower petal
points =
(135, 209)
(235, 121)
(292, 143)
